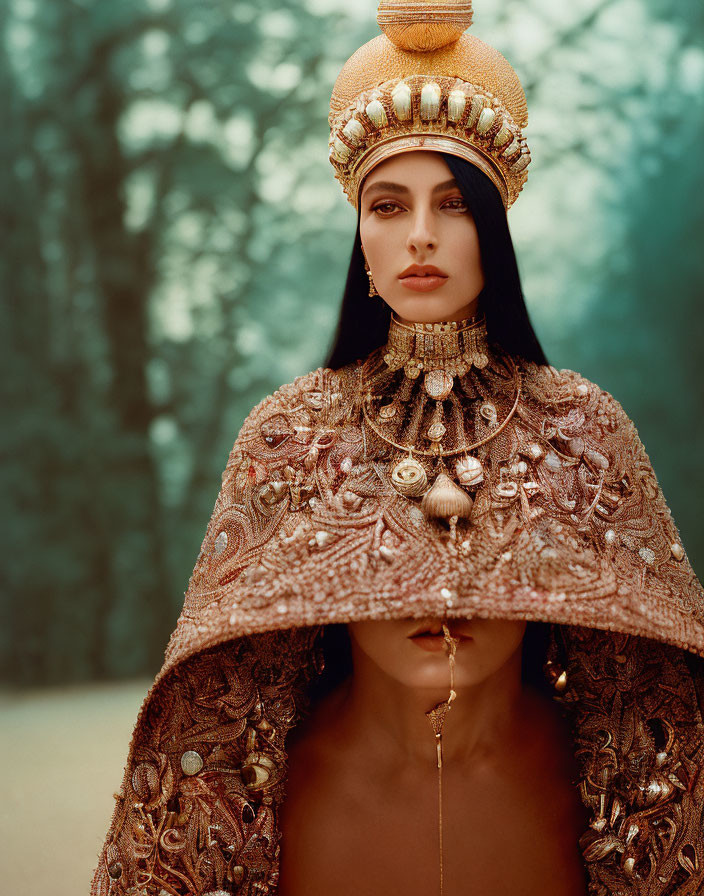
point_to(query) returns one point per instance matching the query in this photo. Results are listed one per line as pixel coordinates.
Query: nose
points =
(422, 237)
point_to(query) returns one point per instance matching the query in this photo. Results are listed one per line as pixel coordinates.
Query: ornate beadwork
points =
(397, 116)
(199, 813)
(441, 350)
(639, 738)
(567, 525)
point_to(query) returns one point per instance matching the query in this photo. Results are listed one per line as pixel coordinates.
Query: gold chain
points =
(434, 453)
(436, 717)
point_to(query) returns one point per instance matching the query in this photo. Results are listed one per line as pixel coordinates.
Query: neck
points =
(389, 718)
(468, 311)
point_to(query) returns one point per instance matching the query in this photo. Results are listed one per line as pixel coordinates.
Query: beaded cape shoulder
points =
(568, 526)
(306, 513)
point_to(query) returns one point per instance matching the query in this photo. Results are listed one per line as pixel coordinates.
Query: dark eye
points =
(384, 205)
(461, 202)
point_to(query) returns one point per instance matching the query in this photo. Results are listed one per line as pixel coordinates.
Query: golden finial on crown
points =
(424, 26)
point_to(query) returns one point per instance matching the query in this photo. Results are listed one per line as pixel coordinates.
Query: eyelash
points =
(385, 204)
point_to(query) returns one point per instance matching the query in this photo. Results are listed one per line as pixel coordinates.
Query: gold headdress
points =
(424, 84)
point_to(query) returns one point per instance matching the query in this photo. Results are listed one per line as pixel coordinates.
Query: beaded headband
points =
(424, 84)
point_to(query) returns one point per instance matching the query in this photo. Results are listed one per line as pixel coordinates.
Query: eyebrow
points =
(387, 186)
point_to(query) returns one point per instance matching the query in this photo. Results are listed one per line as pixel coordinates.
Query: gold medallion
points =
(409, 478)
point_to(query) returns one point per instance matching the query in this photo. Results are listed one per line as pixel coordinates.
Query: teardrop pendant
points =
(437, 429)
(446, 499)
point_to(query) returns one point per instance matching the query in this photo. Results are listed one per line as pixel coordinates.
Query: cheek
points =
(464, 240)
(493, 645)
(378, 640)
(374, 239)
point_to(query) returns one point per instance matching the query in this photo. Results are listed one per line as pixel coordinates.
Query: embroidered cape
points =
(568, 526)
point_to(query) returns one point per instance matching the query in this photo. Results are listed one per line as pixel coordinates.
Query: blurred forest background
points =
(175, 248)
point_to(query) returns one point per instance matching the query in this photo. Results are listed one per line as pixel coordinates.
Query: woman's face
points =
(412, 212)
(486, 646)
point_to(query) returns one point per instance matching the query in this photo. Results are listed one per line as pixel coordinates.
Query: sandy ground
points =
(63, 757)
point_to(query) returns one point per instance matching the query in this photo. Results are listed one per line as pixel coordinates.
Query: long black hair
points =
(363, 324)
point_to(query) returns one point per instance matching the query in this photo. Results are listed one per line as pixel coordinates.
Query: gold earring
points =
(372, 287)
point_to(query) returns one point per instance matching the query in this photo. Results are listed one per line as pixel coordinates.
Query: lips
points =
(426, 630)
(423, 278)
(431, 642)
(435, 631)
(422, 270)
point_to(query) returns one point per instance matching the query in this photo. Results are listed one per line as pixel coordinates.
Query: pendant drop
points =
(436, 431)
(409, 477)
(470, 471)
(436, 717)
(388, 411)
(446, 499)
(488, 412)
(438, 384)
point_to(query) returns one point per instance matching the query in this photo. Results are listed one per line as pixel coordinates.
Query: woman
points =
(436, 476)
(370, 748)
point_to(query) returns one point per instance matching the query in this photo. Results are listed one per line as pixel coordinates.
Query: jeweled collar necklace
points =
(465, 398)
(441, 350)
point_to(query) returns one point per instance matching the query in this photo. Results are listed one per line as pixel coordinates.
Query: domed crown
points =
(424, 83)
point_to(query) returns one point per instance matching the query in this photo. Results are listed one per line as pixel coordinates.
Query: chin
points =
(439, 684)
(432, 670)
(427, 308)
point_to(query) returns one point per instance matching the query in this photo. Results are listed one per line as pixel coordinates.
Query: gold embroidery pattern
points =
(639, 736)
(568, 525)
(197, 812)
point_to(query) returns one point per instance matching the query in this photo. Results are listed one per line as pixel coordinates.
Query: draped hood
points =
(568, 526)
